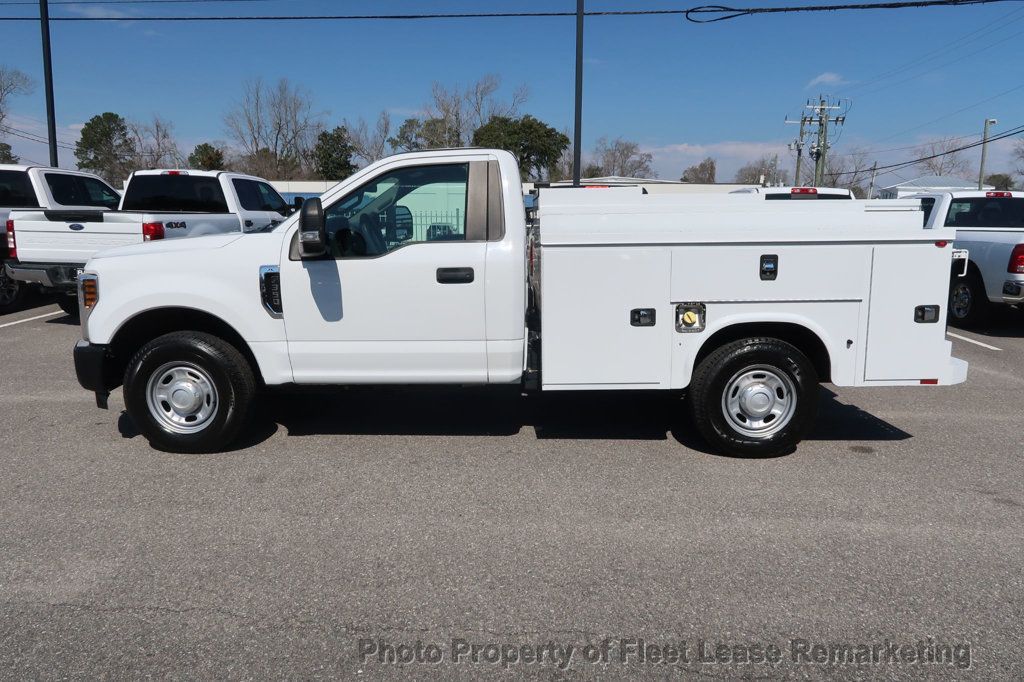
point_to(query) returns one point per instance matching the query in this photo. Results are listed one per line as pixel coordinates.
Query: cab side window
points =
(419, 204)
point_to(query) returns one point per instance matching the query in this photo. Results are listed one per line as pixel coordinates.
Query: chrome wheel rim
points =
(8, 288)
(759, 401)
(182, 397)
(960, 301)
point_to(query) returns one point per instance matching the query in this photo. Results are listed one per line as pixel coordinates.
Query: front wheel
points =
(754, 397)
(189, 392)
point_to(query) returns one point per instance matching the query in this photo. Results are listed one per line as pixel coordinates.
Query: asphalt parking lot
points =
(398, 517)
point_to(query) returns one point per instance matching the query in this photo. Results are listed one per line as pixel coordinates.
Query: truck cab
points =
(990, 226)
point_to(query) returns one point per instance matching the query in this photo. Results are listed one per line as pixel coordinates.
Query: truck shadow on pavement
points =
(490, 412)
(1005, 322)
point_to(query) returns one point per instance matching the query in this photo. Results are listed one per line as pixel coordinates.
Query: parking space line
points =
(30, 319)
(977, 343)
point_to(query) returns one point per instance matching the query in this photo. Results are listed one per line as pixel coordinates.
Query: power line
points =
(691, 14)
(903, 164)
(32, 137)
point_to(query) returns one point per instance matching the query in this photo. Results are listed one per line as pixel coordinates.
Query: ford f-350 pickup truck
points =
(424, 268)
(990, 225)
(49, 190)
(49, 248)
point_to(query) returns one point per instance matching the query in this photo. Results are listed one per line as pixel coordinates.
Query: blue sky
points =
(683, 91)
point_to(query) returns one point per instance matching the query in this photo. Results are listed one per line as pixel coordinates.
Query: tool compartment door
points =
(903, 277)
(588, 339)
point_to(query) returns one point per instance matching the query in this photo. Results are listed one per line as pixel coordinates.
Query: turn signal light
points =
(90, 292)
(151, 231)
(12, 246)
(1016, 265)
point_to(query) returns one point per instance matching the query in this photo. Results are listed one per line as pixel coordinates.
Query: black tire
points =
(12, 292)
(750, 358)
(216, 362)
(69, 304)
(968, 303)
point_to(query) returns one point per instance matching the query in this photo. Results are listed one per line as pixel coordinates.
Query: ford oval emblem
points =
(76, 227)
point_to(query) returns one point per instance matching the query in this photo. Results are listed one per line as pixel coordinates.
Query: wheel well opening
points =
(802, 338)
(147, 326)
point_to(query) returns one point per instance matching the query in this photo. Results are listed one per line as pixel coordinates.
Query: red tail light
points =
(999, 195)
(12, 246)
(151, 231)
(941, 244)
(803, 190)
(1016, 265)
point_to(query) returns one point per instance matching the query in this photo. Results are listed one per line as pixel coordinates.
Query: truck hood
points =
(213, 241)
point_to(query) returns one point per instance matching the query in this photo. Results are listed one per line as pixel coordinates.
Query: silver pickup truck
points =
(49, 248)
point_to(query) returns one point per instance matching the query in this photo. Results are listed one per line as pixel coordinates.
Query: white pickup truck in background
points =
(424, 268)
(798, 193)
(49, 248)
(989, 225)
(41, 188)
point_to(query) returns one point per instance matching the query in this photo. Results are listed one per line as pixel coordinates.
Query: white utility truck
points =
(50, 248)
(52, 191)
(424, 268)
(989, 225)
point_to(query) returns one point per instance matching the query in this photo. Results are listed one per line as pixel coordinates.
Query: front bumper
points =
(93, 365)
(60, 276)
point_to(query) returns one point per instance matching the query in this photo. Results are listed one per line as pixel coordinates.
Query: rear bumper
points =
(1013, 291)
(93, 367)
(61, 276)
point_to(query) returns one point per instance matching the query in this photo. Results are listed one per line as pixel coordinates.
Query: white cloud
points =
(827, 78)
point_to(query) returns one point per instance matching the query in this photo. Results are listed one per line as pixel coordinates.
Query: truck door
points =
(399, 298)
(259, 204)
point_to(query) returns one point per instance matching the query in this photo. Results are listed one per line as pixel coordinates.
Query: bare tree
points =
(622, 157)
(12, 82)
(947, 160)
(703, 172)
(1018, 156)
(370, 144)
(155, 146)
(274, 127)
(848, 171)
(763, 170)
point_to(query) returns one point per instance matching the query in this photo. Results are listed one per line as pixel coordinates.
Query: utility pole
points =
(577, 149)
(51, 117)
(871, 187)
(984, 150)
(798, 146)
(821, 118)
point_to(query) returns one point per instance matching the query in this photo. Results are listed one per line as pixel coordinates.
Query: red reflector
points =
(151, 231)
(930, 382)
(12, 247)
(1016, 265)
(803, 190)
(941, 244)
(999, 195)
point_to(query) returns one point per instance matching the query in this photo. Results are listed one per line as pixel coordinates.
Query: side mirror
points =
(400, 224)
(312, 229)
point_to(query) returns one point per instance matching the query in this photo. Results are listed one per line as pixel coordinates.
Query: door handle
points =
(454, 275)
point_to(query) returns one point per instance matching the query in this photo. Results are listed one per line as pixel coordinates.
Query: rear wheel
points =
(189, 392)
(754, 397)
(968, 303)
(12, 292)
(69, 304)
